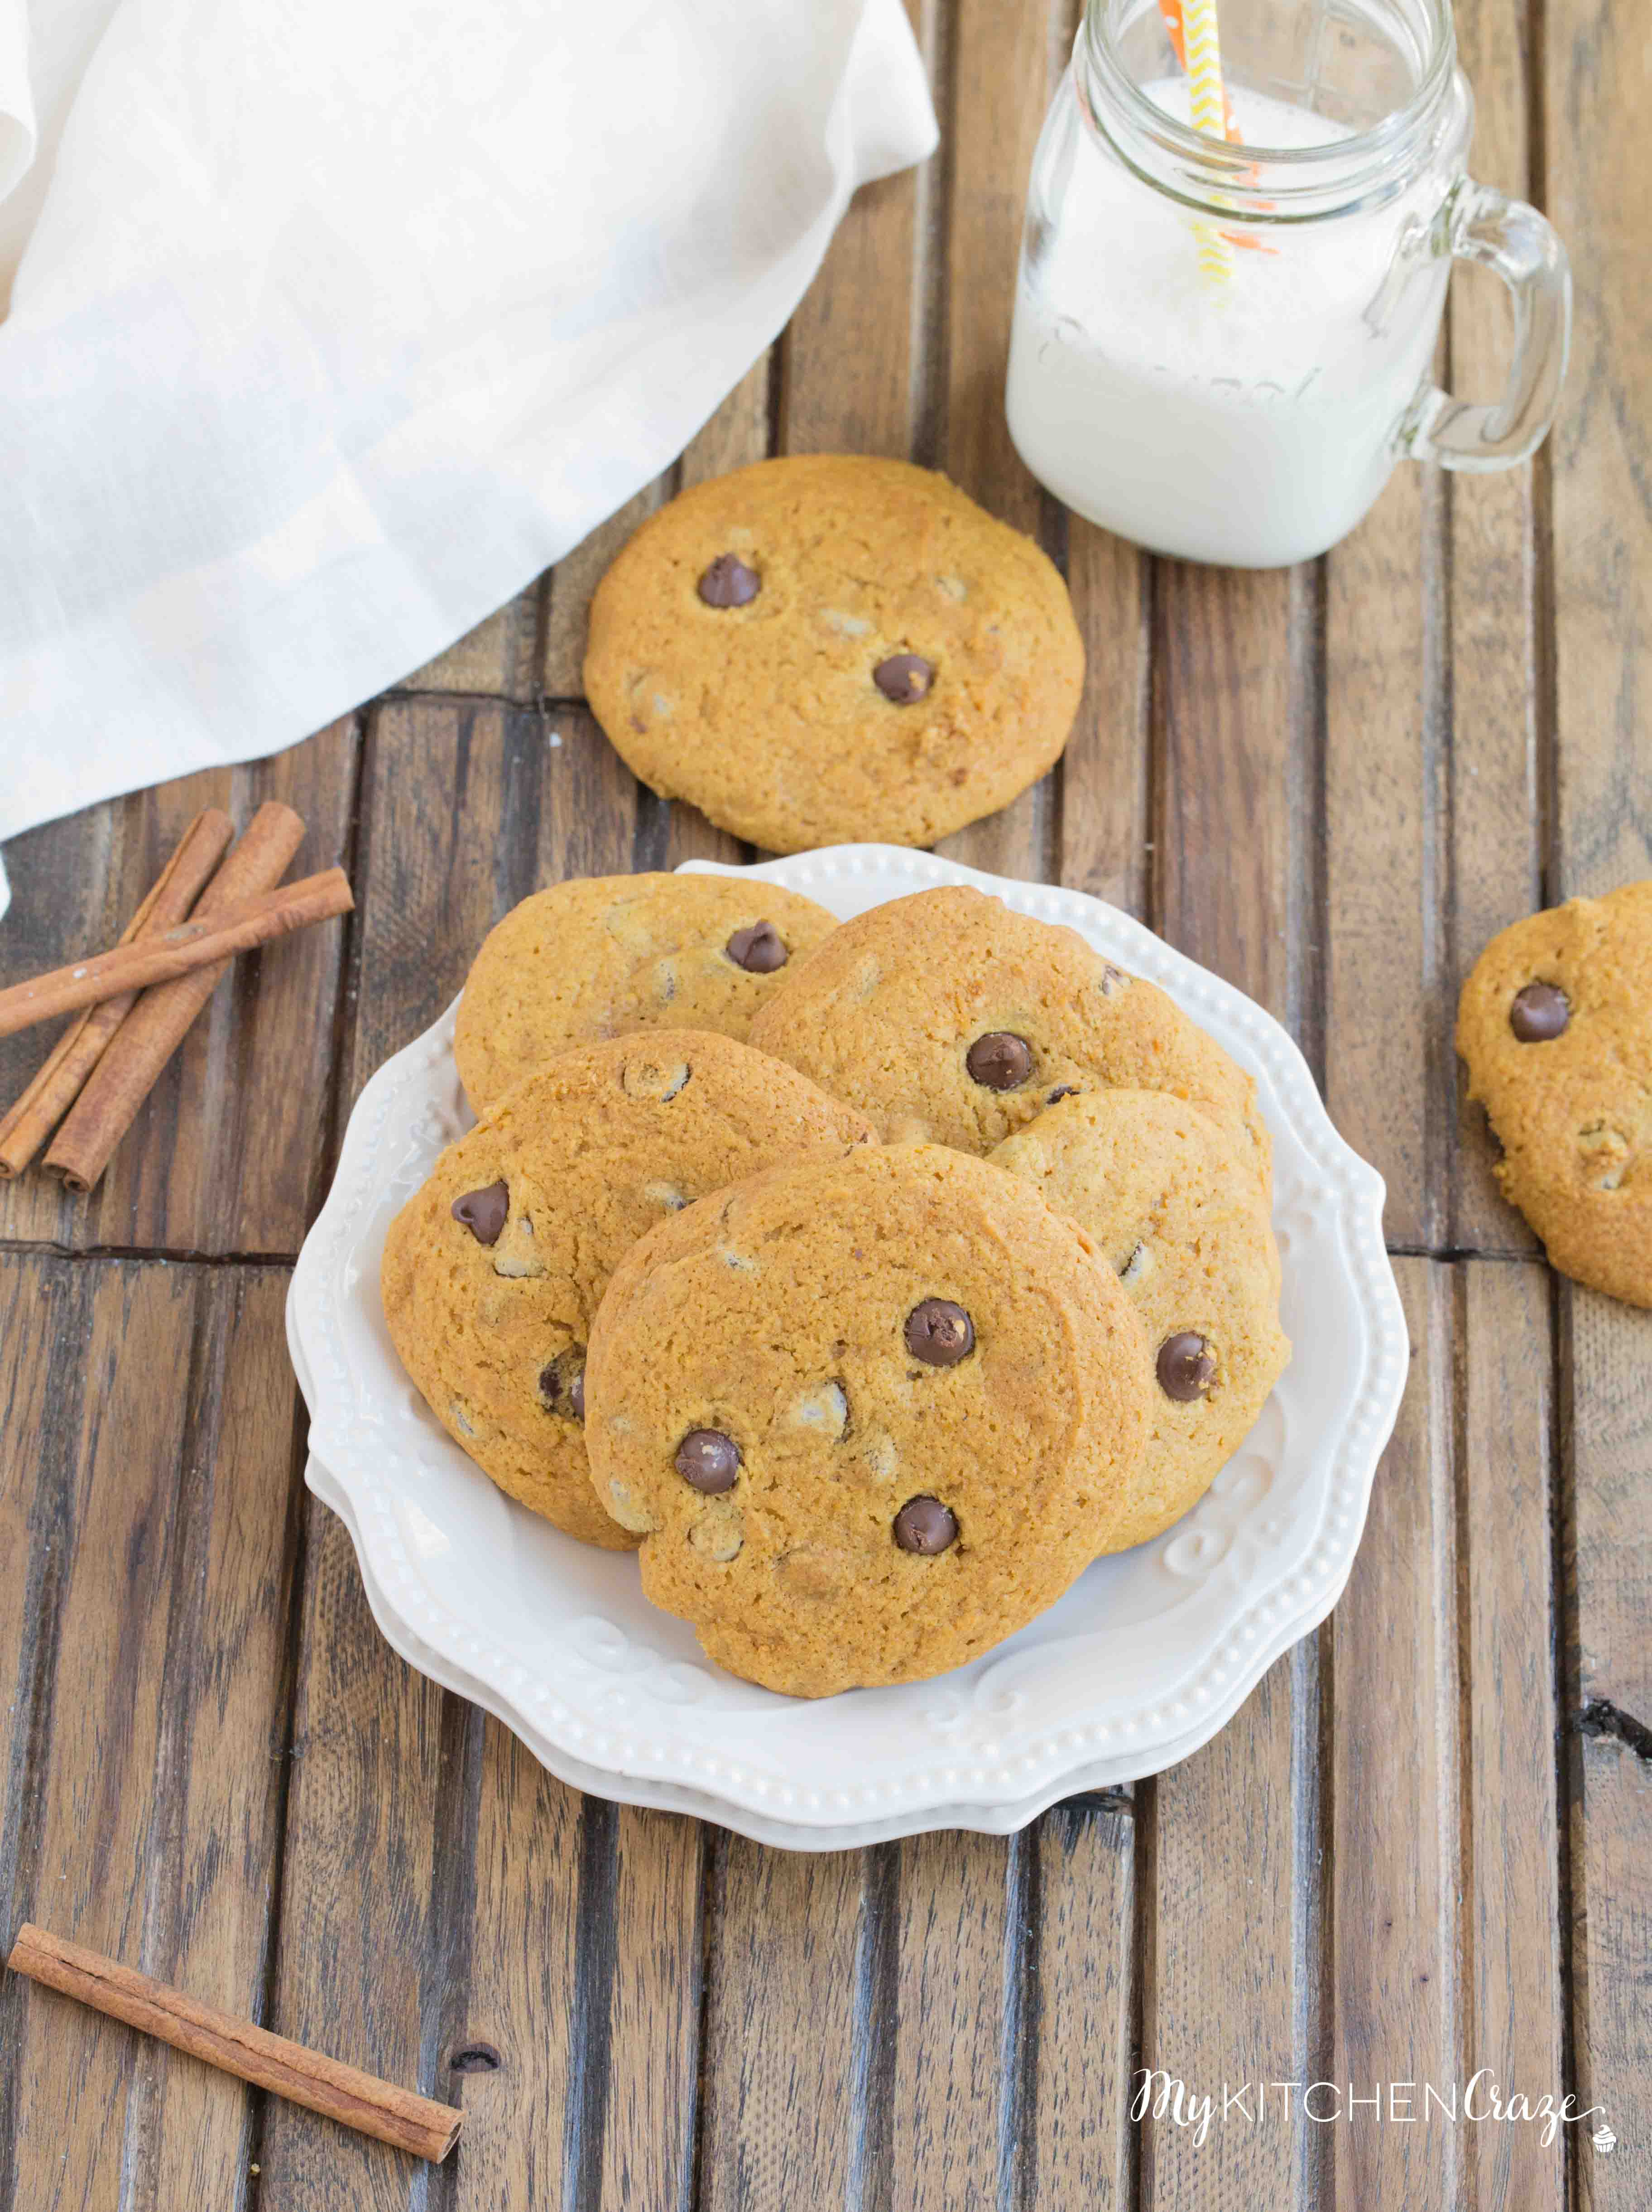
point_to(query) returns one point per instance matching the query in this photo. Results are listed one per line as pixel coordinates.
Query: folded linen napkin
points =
(337, 325)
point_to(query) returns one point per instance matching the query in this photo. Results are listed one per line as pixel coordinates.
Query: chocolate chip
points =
(729, 583)
(562, 1383)
(760, 950)
(1539, 1012)
(1187, 1366)
(1000, 1061)
(904, 678)
(1062, 1091)
(708, 1461)
(939, 1333)
(925, 1525)
(482, 1211)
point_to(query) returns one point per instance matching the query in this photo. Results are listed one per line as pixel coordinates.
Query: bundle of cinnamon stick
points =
(135, 1002)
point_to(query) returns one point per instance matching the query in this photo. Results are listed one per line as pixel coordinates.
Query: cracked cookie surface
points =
(870, 1416)
(828, 647)
(1555, 1023)
(1154, 1183)
(950, 1019)
(601, 956)
(493, 1271)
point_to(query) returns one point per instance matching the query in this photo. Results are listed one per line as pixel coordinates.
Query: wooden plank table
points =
(1425, 1846)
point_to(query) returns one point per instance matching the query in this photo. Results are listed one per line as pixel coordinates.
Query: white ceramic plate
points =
(1141, 1662)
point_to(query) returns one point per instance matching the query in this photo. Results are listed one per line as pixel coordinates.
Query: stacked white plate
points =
(1141, 1662)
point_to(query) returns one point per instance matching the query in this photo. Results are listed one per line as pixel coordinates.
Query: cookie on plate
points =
(1555, 1023)
(830, 647)
(869, 1416)
(1155, 1184)
(604, 955)
(950, 1019)
(493, 1271)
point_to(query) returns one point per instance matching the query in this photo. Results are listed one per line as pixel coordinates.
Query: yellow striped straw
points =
(1209, 106)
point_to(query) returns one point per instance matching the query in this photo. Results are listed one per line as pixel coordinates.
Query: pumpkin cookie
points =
(1154, 1183)
(869, 1416)
(829, 647)
(493, 1271)
(604, 955)
(949, 1018)
(1555, 1023)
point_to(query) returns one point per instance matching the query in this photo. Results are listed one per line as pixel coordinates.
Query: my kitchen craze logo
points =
(1479, 2102)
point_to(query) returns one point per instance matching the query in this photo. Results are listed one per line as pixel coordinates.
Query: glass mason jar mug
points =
(1222, 345)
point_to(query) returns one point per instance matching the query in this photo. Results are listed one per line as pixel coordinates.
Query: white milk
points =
(1250, 423)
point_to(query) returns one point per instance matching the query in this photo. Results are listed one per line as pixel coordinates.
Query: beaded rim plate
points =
(1140, 1663)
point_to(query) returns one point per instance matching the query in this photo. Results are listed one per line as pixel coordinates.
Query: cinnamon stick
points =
(269, 2062)
(155, 1027)
(27, 1124)
(175, 952)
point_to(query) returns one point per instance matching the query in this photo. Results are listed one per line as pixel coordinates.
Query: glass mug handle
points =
(1506, 235)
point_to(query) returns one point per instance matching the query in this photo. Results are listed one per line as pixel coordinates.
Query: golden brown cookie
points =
(870, 1415)
(1154, 1183)
(604, 955)
(493, 1271)
(1555, 1023)
(949, 1018)
(830, 647)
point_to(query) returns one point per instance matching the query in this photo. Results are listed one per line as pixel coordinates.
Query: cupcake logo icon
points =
(1604, 2141)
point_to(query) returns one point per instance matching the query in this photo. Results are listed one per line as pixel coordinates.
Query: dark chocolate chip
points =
(925, 1525)
(708, 1461)
(475, 2059)
(562, 1383)
(1062, 1091)
(1187, 1366)
(904, 678)
(939, 1333)
(482, 1211)
(729, 583)
(760, 950)
(1000, 1061)
(1539, 1012)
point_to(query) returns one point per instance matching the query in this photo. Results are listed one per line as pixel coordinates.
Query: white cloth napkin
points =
(340, 320)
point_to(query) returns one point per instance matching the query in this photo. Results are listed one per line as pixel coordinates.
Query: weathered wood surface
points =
(1422, 1847)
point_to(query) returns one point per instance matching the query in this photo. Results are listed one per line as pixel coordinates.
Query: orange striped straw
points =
(1209, 101)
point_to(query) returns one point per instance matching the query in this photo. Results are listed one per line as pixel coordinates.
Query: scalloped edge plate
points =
(1140, 1663)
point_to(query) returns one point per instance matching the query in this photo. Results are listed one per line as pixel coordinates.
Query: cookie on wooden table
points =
(1154, 1183)
(604, 955)
(949, 1018)
(830, 647)
(869, 1416)
(1555, 1023)
(493, 1271)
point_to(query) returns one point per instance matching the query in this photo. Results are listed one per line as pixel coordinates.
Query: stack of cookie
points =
(873, 1280)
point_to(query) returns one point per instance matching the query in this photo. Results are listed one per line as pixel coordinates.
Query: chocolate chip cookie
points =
(604, 955)
(1154, 1183)
(869, 1416)
(830, 647)
(493, 1271)
(948, 1017)
(1555, 1023)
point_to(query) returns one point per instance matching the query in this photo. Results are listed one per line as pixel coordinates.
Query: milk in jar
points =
(1252, 419)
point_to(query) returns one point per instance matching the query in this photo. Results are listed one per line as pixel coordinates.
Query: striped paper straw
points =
(1209, 115)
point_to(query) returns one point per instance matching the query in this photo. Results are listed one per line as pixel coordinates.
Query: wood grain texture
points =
(500, 658)
(960, 1940)
(1386, 1065)
(156, 1831)
(649, 2131)
(1608, 1419)
(1393, 1786)
(1075, 2128)
(1511, 1905)
(1105, 783)
(787, 2085)
(1495, 641)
